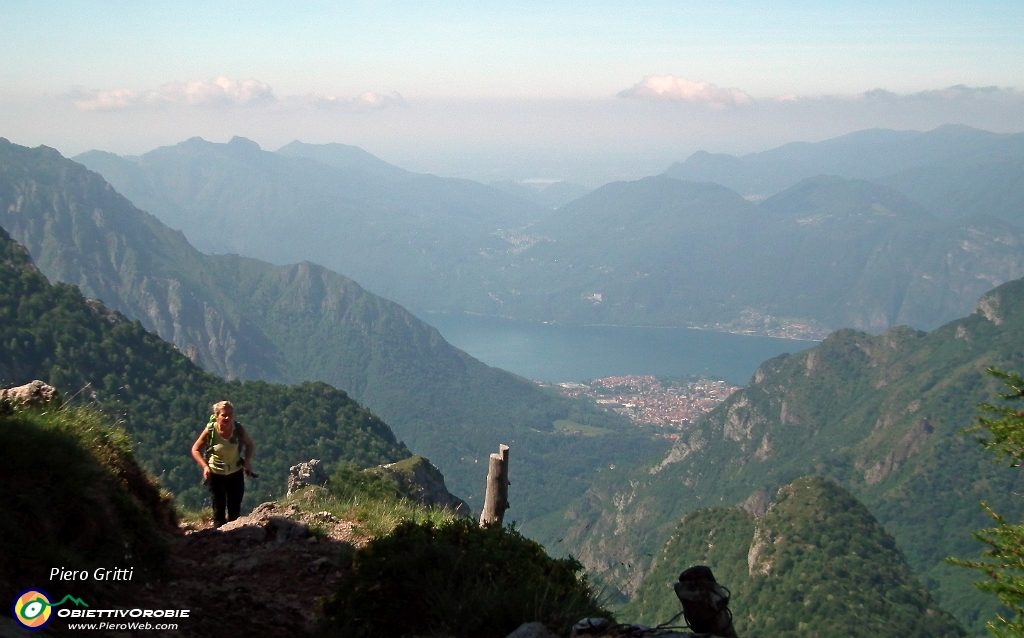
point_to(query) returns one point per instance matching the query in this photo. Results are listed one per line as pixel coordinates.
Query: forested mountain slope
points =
(882, 415)
(815, 563)
(96, 355)
(248, 319)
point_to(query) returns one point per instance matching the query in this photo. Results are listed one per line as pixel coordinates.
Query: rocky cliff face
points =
(880, 414)
(80, 231)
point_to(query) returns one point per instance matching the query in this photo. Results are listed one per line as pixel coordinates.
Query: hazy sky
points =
(581, 90)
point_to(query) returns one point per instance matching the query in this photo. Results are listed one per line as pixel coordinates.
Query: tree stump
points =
(496, 499)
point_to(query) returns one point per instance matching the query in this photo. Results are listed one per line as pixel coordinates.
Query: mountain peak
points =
(243, 143)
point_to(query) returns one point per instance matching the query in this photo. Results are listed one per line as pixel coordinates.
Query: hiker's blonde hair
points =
(220, 405)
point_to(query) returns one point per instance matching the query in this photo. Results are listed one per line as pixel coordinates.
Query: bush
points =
(349, 482)
(456, 579)
(74, 496)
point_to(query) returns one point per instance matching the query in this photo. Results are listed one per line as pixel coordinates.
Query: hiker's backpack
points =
(705, 602)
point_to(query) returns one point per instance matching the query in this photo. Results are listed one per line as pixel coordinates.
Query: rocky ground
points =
(258, 575)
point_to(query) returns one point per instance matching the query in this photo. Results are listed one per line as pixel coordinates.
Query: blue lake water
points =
(555, 353)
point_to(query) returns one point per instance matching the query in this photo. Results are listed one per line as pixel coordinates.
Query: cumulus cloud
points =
(670, 87)
(221, 91)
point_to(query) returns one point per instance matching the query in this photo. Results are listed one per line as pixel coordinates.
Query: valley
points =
(613, 444)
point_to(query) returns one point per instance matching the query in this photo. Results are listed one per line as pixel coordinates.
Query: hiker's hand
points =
(206, 472)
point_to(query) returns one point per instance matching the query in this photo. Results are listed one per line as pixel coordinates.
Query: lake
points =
(554, 353)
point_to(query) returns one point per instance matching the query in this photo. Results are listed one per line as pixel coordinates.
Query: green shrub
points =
(456, 579)
(349, 482)
(74, 496)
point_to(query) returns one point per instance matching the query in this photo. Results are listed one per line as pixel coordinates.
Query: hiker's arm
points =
(250, 450)
(197, 454)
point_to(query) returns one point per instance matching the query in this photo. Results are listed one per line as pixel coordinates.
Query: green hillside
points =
(74, 495)
(816, 564)
(879, 414)
(52, 333)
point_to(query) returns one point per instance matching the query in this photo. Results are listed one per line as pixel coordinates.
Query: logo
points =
(33, 609)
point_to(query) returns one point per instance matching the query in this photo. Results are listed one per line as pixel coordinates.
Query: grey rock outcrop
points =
(34, 394)
(306, 474)
(418, 479)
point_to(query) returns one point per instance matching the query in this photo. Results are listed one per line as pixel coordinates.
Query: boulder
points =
(306, 474)
(36, 395)
(418, 479)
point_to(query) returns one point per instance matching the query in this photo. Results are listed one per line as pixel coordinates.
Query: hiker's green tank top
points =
(224, 453)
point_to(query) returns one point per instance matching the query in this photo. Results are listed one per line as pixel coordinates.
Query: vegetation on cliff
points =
(1003, 562)
(816, 564)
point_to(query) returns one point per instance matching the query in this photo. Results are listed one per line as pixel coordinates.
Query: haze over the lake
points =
(581, 91)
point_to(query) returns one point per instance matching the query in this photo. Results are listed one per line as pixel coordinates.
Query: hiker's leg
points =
(218, 495)
(235, 484)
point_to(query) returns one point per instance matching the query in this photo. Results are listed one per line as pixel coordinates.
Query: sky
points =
(584, 91)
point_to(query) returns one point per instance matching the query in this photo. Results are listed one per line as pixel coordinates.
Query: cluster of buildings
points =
(645, 399)
(752, 322)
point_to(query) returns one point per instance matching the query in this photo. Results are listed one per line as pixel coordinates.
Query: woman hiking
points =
(229, 451)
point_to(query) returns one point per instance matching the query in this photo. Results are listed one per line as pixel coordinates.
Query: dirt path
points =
(260, 575)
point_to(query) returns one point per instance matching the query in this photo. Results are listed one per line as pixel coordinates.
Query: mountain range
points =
(242, 318)
(870, 154)
(871, 230)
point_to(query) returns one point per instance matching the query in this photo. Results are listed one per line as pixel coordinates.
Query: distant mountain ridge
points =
(868, 154)
(403, 235)
(650, 252)
(660, 251)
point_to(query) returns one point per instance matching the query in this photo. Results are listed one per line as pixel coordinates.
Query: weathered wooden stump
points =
(496, 499)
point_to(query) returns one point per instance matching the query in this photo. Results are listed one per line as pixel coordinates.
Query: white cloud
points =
(221, 91)
(670, 87)
(363, 102)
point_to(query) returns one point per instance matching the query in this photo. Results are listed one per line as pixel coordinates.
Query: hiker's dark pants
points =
(227, 491)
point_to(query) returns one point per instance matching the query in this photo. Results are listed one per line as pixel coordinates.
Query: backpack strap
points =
(209, 439)
(240, 433)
